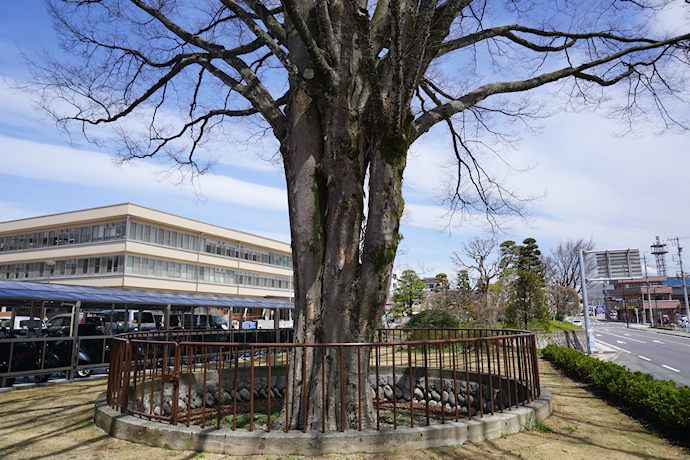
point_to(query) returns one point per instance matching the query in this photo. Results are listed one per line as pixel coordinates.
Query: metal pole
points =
(591, 346)
(649, 296)
(682, 276)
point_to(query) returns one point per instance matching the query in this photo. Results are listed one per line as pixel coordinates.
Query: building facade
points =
(636, 297)
(131, 246)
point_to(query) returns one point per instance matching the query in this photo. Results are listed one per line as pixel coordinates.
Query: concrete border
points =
(240, 442)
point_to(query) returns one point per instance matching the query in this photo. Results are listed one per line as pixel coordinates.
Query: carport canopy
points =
(13, 293)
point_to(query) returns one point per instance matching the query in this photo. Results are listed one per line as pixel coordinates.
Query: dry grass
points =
(55, 422)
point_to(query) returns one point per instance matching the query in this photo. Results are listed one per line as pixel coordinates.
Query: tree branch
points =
(429, 119)
(297, 14)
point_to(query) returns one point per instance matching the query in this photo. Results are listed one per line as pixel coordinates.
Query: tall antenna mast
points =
(659, 251)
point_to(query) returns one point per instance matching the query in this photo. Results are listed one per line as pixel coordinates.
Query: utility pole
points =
(682, 276)
(649, 297)
(589, 333)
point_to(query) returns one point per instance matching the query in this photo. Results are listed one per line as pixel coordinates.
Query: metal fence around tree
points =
(412, 377)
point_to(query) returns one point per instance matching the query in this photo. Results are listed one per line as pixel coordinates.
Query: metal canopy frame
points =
(22, 294)
(27, 291)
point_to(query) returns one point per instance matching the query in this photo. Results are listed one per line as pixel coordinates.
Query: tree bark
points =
(341, 264)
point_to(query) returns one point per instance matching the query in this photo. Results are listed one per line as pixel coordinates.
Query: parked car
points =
(202, 321)
(60, 324)
(218, 322)
(119, 322)
(23, 326)
(175, 321)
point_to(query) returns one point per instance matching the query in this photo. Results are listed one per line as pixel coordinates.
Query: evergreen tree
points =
(410, 292)
(462, 298)
(442, 284)
(524, 271)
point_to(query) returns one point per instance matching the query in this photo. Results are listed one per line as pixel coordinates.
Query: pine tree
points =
(410, 292)
(524, 270)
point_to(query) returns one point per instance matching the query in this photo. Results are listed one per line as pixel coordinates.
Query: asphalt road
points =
(664, 356)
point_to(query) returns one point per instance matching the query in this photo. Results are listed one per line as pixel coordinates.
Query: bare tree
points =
(478, 256)
(345, 86)
(564, 300)
(563, 266)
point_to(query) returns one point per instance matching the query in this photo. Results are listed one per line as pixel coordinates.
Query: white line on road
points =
(658, 341)
(620, 341)
(646, 359)
(628, 338)
(669, 367)
(613, 346)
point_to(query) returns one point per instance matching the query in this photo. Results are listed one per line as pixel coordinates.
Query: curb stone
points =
(228, 442)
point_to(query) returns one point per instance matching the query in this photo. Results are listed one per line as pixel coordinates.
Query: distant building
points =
(430, 283)
(132, 246)
(632, 297)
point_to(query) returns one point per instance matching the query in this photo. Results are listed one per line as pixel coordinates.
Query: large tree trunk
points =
(342, 260)
(337, 148)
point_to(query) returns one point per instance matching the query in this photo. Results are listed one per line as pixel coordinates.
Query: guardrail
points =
(415, 376)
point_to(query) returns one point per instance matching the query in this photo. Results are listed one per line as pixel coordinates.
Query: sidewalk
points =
(604, 352)
(56, 422)
(670, 332)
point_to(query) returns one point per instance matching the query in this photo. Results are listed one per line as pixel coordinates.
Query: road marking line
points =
(646, 359)
(613, 346)
(620, 341)
(669, 367)
(628, 338)
(658, 341)
(665, 341)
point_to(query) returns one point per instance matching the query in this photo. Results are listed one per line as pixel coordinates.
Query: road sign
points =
(600, 308)
(618, 264)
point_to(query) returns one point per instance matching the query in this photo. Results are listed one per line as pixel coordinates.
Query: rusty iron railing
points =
(416, 376)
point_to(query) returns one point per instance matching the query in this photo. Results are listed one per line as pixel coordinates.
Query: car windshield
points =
(146, 317)
(219, 320)
(27, 323)
(61, 321)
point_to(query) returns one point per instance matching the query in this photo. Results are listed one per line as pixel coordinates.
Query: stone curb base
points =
(240, 442)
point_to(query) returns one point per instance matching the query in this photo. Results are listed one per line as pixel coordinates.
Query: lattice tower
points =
(659, 251)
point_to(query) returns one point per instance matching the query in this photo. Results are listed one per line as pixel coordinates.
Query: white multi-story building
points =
(132, 246)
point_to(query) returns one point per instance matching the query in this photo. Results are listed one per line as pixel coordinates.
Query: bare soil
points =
(55, 421)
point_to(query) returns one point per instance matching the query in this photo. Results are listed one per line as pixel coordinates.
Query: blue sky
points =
(620, 191)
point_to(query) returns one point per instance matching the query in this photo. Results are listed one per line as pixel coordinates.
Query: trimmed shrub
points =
(435, 321)
(432, 319)
(662, 404)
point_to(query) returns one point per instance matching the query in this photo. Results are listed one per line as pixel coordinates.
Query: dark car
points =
(124, 321)
(202, 321)
(175, 321)
(60, 324)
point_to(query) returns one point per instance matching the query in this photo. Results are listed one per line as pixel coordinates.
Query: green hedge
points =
(665, 406)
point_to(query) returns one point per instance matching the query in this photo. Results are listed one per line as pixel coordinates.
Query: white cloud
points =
(620, 191)
(673, 19)
(44, 162)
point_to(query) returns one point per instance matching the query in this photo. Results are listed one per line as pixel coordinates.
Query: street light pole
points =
(591, 346)
(682, 277)
(649, 296)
